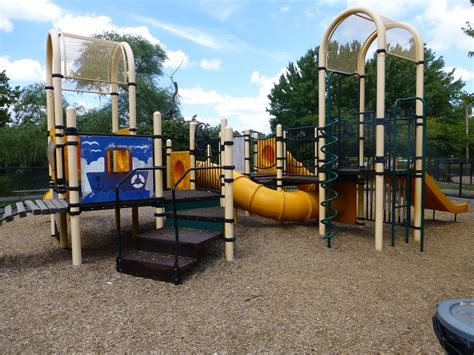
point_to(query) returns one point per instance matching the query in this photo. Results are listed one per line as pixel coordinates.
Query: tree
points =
(24, 143)
(23, 146)
(151, 96)
(8, 97)
(294, 100)
(468, 30)
(441, 91)
(31, 106)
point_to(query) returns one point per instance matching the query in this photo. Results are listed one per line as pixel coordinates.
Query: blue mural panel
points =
(98, 174)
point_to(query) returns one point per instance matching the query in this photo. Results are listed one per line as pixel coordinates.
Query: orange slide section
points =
(435, 199)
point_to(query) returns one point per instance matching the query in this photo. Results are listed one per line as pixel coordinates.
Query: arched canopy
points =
(348, 38)
(89, 64)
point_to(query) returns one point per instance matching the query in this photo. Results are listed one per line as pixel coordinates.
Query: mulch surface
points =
(285, 292)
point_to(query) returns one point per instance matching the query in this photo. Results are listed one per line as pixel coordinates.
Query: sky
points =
(232, 51)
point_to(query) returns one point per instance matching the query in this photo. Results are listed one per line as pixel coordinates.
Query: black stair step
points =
(191, 241)
(263, 178)
(300, 179)
(153, 265)
(355, 171)
(192, 195)
(209, 214)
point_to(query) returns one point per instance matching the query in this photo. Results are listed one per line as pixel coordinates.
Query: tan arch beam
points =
(419, 92)
(55, 104)
(380, 108)
(114, 87)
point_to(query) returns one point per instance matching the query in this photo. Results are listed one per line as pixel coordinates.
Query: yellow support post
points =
(158, 161)
(192, 153)
(229, 238)
(73, 174)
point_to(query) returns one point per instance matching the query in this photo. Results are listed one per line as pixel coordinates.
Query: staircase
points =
(156, 254)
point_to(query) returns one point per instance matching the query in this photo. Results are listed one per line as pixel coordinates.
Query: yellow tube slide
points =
(269, 203)
(294, 205)
(283, 205)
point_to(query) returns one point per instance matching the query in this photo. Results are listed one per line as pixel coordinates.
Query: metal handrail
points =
(177, 277)
(117, 209)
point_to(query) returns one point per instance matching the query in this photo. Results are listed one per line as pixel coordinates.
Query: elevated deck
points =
(45, 206)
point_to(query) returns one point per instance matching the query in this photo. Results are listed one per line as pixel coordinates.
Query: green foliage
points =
(8, 97)
(23, 140)
(468, 30)
(5, 185)
(31, 107)
(294, 100)
(95, 121)
(23, 146)
(151, 96)
(23, 143)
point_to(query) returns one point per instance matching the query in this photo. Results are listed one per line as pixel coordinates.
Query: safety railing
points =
(300, 150)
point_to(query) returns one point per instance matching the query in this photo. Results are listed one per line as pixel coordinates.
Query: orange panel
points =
(266, 156)
(123, 131)
(180, 162)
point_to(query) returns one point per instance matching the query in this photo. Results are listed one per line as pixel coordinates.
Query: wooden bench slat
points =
(44, 209)
(32, 207)
(8, 214)
(59, 206)
(64, 203)
(52, 208)
(21, 209)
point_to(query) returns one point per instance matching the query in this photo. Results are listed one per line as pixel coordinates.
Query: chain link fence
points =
(454, 176)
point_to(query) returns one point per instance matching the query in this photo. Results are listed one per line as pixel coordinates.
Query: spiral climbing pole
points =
(330, 163)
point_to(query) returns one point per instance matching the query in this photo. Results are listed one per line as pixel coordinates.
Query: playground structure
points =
(354, 166)
(117, 170)
(383, 179)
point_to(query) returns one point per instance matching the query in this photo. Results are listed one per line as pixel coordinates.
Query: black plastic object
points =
(454, 326)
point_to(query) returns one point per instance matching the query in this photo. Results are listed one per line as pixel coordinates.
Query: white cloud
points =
(23, 69)
(461, 73)
(211, 64)
(241, 111)
(195, 35)
(393, 9)
(198, 96)
(27, 10)
(284, 9)
(91, 24)
(309, 14)
(439, 21)
(221, 9)
(444, 22)
(175, 59)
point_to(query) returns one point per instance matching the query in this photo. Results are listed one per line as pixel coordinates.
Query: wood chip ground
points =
(286, 292)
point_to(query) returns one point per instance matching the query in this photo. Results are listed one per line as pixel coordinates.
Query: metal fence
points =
(20, 183)
(454, 176)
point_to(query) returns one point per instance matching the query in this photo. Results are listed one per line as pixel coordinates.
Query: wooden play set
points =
(354, 166)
